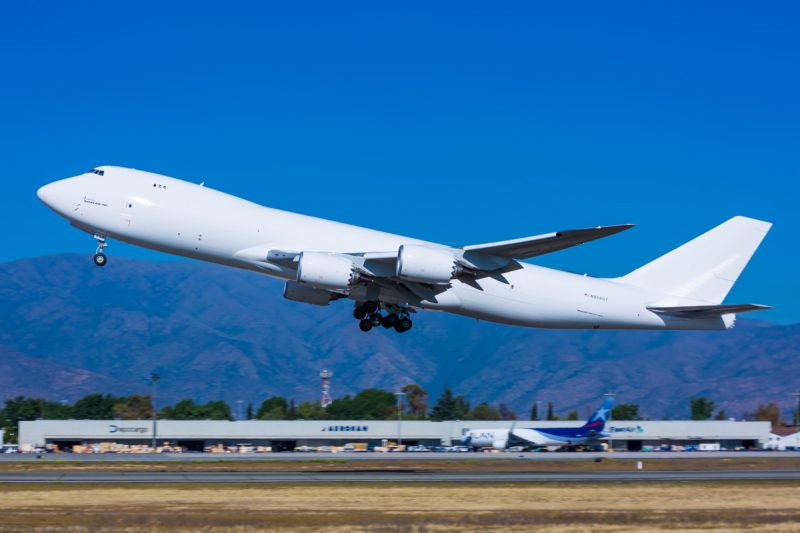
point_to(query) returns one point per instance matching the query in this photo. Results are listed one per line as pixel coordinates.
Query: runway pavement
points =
(169, 457)
(396, 477)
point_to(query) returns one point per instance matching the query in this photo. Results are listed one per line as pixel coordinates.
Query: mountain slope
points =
(69, 328)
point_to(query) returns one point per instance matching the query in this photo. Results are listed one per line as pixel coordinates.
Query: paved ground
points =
(106, 457)
(381, 477)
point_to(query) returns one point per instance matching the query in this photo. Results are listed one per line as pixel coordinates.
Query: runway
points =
(398, 477)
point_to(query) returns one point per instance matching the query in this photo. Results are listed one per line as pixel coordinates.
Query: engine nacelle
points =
(500, 444)
(326, 271)
(426, 265)
(297, 292)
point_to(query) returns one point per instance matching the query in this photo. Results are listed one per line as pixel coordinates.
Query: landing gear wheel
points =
(375, 319)
(389, 320)
(403, 325)
(100, 259)
(365, 325)
(359, 313)
(371, 307)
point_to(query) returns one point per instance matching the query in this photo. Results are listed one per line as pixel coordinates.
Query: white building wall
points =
(39, 431)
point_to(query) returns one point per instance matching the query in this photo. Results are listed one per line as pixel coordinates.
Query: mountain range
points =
(69, 328)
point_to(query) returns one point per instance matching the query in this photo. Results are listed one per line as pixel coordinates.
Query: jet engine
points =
(500, 444)
(326, 271)
(426, 265)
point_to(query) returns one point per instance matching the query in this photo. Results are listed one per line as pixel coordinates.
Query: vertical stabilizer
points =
(600, 417)
(706, 267)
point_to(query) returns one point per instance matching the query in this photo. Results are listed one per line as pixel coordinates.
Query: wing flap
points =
(527, 247)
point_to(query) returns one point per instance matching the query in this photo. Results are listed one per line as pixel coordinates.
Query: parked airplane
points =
(589, 433)
(390, 276)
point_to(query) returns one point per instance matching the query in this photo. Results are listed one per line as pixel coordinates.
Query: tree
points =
(626, 411)
(449, 407)
(550, 414)
(250, 414)
(369, 404)
(374, 404)
(461, 408)
(506, 413)
(770, 412)
(275, 408)
(95, 407)
(535, 411)
(56, 410)
(178, 412)
(188, 410)
(721, 415)
(416, 400)
(484, 411)
(701, 408)
(572, 415)
(311, 411)
(17, 409)
(134, 408)
(217, 410)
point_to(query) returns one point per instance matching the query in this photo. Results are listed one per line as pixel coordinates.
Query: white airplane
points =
(500, 439)
(390, 276)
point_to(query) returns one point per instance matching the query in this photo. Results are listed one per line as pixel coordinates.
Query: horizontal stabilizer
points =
(707, 311)
(527, 247)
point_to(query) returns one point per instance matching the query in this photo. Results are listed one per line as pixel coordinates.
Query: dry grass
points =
(752, 506)
(417, 465)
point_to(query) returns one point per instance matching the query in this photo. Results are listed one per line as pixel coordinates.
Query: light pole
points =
(399, 396)
(154, 380)
(608, 421)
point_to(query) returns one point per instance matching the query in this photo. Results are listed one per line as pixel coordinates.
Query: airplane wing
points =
(379, 267)
(527, 247)
(707, 311)
(505, 251)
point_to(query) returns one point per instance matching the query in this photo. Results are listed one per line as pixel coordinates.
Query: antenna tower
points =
(326, 376)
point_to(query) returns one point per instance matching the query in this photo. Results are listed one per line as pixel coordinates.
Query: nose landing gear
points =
(100, 258)
(369, 316)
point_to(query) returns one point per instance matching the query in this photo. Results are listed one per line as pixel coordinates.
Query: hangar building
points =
(197, 435)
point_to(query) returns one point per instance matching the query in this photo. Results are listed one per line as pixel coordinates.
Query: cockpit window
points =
(98, 172)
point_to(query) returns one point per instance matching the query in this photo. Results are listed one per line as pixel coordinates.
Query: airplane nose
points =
(45, 193)
(59, 195)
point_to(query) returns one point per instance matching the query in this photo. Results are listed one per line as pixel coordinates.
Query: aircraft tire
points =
(365, 325)
(389, 320)
(375, 318)
(371, 307)
(359, 313)
(403, 325)
(100, 259)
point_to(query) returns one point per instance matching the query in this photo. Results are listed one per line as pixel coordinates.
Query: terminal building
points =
(286, 435)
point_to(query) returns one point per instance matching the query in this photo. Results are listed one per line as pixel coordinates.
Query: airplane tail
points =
(597, 423)
(705, 268)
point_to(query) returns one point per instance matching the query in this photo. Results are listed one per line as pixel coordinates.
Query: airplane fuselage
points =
(191, 220)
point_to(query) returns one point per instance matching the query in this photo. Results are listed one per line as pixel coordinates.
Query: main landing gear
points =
(100, 258)
(369, 316)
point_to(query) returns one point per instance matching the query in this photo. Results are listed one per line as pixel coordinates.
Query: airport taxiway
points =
(397, 477)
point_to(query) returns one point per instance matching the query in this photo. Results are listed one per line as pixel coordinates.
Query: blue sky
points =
(459, 123)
